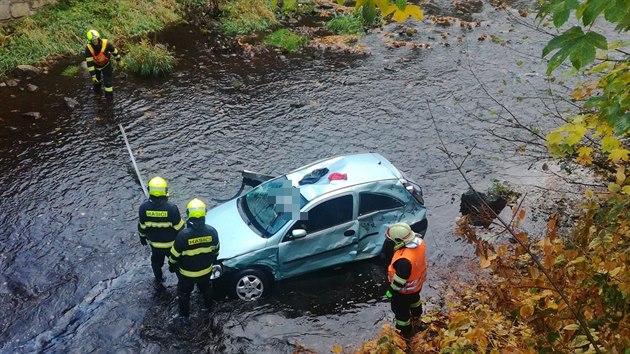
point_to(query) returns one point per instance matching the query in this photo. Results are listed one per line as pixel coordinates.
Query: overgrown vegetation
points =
(346, 24)
(285, 39)
(246, 16)
(70, 71)
(60, 29)
(149, 60)
(566, 291)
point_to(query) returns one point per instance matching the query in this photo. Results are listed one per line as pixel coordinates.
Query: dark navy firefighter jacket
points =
(196, 249)
(159, 221)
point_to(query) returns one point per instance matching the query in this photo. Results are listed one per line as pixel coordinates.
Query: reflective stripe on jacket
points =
(159, 221)
(417, 257)
(195, 249)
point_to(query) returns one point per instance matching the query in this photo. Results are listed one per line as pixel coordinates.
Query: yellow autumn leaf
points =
(360, 3)
(618, 155)
(575, 132)
(614, 187)
(409, 10)
(620, 176)
(584, 155)
(614, 272)
(572, 327)
(609, 143)
(382, 5)
(580, 341)
(415, 12)
(526, 311)
(584, 89)
(573, 138)
(554, 138)
(585, 151)
(589, 193)
(625, 190)
(603, 129)
(484, 262)
(337, 349)
(551, 305)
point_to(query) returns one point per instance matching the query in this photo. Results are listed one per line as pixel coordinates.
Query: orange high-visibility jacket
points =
(417, 257)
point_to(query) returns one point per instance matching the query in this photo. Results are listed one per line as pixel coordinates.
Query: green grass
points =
(60, 29)
(246, 16)
(70, 71)
(149, 60)
(285, 39)
(346, 24)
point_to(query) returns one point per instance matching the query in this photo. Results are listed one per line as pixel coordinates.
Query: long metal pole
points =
(133, 160)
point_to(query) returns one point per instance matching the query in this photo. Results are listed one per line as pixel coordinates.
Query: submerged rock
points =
(71, 102)
(482, 207)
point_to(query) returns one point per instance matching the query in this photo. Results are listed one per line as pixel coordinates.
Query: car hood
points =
(235, 236)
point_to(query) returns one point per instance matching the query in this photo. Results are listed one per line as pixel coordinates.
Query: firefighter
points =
(159, 221)
(98, 53)
(192, 256)
(406, 273)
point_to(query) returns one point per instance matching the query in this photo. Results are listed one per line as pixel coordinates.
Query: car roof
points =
(359, 168)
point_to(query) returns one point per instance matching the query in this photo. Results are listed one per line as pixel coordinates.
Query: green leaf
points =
(616, 11)
(592, 9)
(559, 9)
(622, 124)
(575, 44)
(401, 4)
(562, 40)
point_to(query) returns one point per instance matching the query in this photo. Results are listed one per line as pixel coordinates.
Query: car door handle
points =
(349, 233)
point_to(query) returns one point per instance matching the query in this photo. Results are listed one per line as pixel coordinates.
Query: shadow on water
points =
(74, 277)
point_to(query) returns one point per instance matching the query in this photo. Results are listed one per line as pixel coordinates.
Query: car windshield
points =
(272, 204)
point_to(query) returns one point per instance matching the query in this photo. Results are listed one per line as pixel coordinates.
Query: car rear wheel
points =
(250, 285)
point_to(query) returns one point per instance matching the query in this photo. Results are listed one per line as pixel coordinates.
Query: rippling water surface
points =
(74, 276)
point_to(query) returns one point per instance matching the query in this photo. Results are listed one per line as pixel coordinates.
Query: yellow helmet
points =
(196, 208)
(401, 234)
(91, 34)
(158, 187)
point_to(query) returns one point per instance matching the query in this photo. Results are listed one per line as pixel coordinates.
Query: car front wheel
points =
(250, 285)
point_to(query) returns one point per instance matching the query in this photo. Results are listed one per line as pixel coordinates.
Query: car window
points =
(272, 204)
(370, 202)
(329, 213)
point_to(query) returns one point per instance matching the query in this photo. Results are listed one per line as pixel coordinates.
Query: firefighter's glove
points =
(388, 294)
(143, 241)
(173, 268)
(95, 80)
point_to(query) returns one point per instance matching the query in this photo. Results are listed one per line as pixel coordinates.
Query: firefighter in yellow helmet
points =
(159, 221)
(406, 273)
(98, 53)
(193, 254)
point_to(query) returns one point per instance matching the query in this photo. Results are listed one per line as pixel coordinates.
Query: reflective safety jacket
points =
(98, 58)
(408, 269)
(159, 221)
(196, 248)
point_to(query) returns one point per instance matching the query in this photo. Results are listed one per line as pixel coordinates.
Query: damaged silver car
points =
(324, 214)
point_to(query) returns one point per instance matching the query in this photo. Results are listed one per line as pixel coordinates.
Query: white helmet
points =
(401, 234)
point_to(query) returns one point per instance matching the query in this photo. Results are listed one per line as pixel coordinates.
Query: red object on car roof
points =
(336, 176)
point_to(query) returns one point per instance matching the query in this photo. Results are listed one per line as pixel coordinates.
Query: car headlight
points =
(216, 271)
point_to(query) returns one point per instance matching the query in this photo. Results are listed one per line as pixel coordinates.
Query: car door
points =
(331, 237)
(376, 212)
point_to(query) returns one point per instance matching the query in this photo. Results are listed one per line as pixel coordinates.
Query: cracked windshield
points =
(314, 176)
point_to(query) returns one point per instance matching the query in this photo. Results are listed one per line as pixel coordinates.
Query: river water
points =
(74, 276)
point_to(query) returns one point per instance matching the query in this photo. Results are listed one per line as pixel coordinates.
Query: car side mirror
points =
(298, 233)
